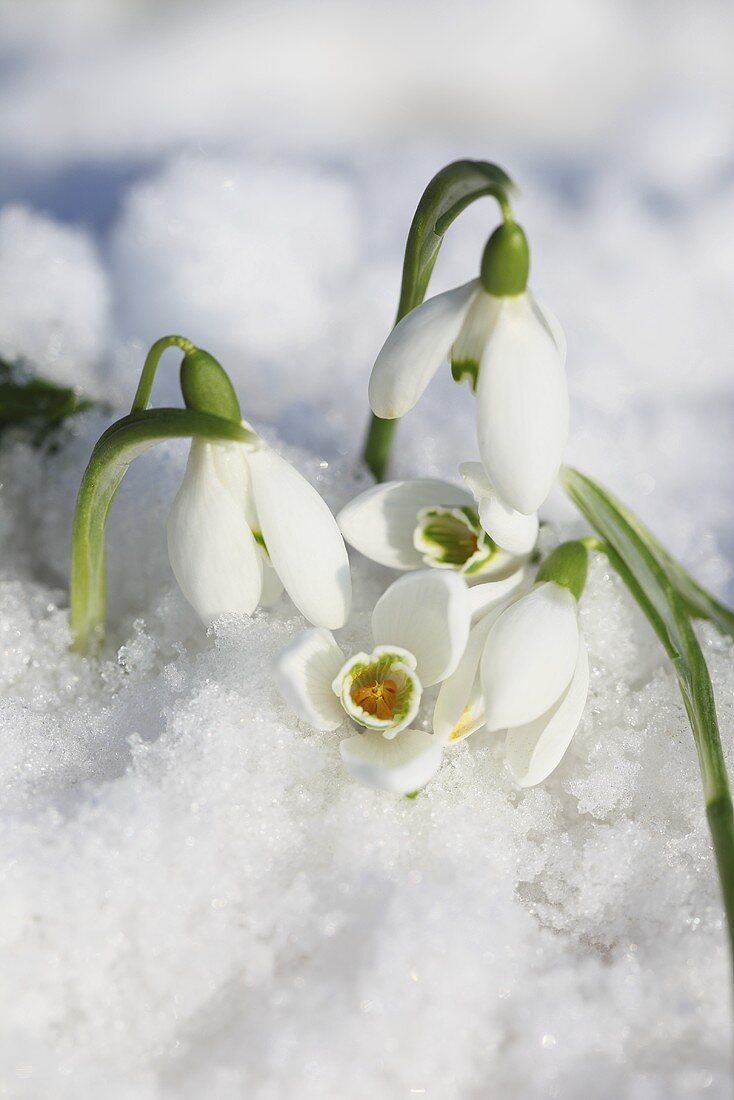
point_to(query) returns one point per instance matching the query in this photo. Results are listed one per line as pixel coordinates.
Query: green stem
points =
(112, 455)
(378, 445)
(145, 385)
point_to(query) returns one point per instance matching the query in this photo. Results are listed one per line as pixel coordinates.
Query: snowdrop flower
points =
(245, 524)
(525, 671)
(420, 628)
(426, 522)
(513, 352)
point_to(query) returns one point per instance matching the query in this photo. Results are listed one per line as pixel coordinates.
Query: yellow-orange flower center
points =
(377, 698)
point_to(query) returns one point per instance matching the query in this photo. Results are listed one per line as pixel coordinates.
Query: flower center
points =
(453, 538)
(380, 690)
(377, 698)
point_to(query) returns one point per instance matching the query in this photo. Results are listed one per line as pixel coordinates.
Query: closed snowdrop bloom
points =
(426, 522)
(513, 353)
(420, 628)
(245, 524)
(525, 671)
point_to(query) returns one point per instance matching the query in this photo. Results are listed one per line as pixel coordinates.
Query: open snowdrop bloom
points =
(524, 671)
(420, 628)
(245, 524)
(513, 352)
(426, 522)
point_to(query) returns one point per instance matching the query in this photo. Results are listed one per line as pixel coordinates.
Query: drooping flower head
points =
(245, 524)
(420, 627)
(510, 349)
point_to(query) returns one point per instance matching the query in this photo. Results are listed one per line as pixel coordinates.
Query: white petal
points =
(459, 708)
(489, 594)
(303, 540)
(553, 324)
(475, 477)
(502, 566)
(530, 656)
(380, 523)
(428, 613)
(272, 586)
(514, 532)
(535, 750)
(466, 353)
(233, 470)
(522, 407)
(415, 349)
(401, 765)
(304, 672)
(213, 554)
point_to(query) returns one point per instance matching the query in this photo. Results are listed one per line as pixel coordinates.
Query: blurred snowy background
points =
(195, 900)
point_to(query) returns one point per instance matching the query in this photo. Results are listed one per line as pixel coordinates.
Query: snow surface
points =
(195, 899)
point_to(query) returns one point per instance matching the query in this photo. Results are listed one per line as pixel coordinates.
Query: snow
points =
(43, 261)
(196, 900)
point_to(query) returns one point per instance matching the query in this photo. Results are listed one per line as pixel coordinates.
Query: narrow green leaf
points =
(699, 602)
(35, 401)
(450, 191)
(644, 567)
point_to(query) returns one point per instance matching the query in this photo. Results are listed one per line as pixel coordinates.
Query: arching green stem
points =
(145, 385)
(112, 455)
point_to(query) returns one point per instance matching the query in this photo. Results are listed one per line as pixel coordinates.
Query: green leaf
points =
(450, 191)
(699, 602)
(644, 567)
(636, 558)
(35, 401)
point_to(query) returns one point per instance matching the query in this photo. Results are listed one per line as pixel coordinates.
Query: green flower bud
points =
(206, 386)
(506, 261)
(567, 566)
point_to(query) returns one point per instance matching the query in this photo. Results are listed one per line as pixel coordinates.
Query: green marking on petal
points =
(453, 538)
(465, 369)
(468, 349)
